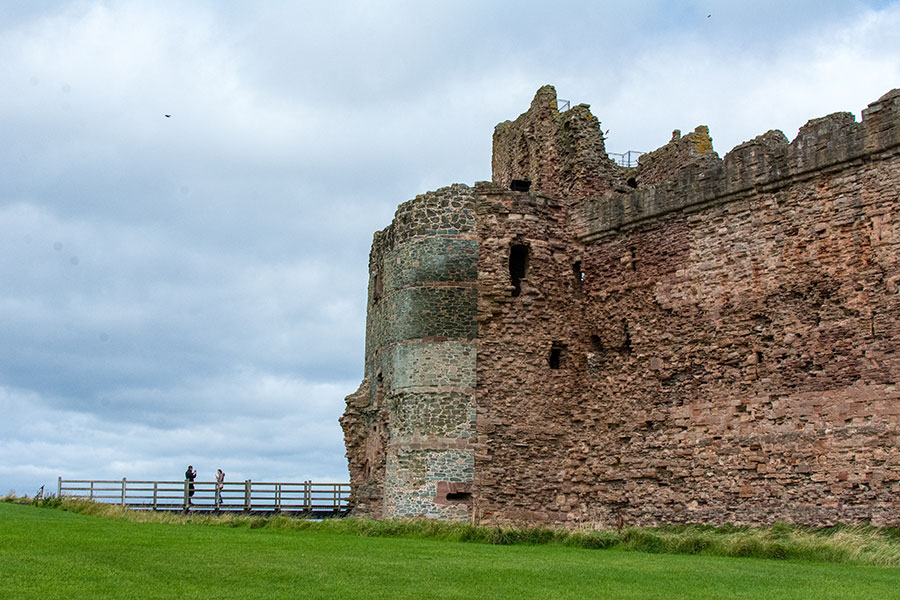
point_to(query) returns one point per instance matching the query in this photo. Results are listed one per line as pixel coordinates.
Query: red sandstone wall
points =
(743, 367)
(525, 408)
(761, 385)
(726, 346)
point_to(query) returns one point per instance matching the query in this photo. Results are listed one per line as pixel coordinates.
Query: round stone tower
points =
(410, 428)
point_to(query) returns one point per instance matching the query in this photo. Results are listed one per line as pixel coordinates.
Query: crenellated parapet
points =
(767, 162)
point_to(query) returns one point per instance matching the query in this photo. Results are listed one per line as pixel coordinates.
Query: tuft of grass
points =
(48, 501)
(863, 545)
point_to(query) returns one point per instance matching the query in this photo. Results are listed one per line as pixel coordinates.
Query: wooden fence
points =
(315, 499)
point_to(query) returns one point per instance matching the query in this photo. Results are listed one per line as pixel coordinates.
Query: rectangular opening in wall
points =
(453, 492)
(518, 266)
(459, 496)
(379, 388)
(377, 288)
(578, 273)
(557, 355)
(597, 353)
(520, 185)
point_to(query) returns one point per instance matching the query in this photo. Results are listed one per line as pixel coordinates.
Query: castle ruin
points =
(695, 339)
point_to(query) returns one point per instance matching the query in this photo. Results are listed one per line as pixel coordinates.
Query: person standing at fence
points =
(189, 476)
(220, 483)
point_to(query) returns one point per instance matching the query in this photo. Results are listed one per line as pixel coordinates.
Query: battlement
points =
(690, 178)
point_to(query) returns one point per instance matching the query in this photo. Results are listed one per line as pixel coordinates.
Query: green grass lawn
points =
(47, 553)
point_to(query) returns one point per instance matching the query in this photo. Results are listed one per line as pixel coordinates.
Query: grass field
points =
(47, 553)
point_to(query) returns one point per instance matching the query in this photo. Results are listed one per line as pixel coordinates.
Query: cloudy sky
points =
(191, 289)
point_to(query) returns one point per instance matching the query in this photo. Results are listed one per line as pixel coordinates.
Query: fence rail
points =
(246, 496)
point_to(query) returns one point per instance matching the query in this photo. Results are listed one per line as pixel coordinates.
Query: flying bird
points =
(168, 116)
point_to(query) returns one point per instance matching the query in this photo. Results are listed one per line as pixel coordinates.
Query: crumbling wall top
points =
(766, 162)
(444, 212)
(694, 150)
(561, 154)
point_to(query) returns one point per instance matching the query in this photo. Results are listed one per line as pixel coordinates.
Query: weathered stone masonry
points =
(410, 428)
(692, 340)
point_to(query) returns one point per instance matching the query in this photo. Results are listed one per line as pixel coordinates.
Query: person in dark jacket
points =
(189, 476)
(220, 483)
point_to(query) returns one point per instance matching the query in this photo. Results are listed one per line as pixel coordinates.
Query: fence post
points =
(307, 493)
(154, 494)
(59, 488)
(186, 497)
(277, 497)
(123, 492)
(247, 495)
(92, 491)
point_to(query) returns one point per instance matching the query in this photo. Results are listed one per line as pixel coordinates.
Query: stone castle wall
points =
(693, 340)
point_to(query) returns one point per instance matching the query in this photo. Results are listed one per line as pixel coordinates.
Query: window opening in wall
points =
(518, 266)
(631, 252)
(377, 288)
(596, 356)
(632, 182)
(578, 273)
(626, 345)
(557, 355)
(459, 496)
(520, 185)
(379, 388)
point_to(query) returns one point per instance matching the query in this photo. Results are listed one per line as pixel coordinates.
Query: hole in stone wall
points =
(578, 273)
(379, 388)
(557, 355)
(377, 288)
(520, 185)
(459, 496)
(597, 354)
(518, 266)
(626, 344)
(631, 253)
(632, 182)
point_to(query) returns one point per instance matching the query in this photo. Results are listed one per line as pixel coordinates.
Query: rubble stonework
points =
(410, 428)
(693, 340)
